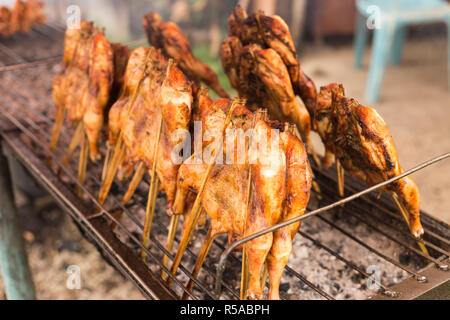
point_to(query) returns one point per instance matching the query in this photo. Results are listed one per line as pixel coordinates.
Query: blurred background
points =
(414, 100)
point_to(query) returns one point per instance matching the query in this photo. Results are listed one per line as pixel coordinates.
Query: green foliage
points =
(201, 51)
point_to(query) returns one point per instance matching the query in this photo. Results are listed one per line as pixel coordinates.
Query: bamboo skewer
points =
(60, 115)
(109, 151)
(210, 236)
(405, 214)
(152, 195)
(82, 164)
(135, 181)
(75, 142)
(196, 208)
(170, 240)
(340, 177)
(120, 149)
(119, 155)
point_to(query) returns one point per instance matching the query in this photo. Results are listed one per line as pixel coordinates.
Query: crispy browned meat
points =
(280, 190)
(168, 37)
(273, 32)
(164, 93)
(101, 77)
(360, 139)
(274, 74)
(84, 86)
(261, 76)
(23, 16)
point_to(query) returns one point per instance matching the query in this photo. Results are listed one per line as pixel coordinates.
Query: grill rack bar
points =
(50, 104)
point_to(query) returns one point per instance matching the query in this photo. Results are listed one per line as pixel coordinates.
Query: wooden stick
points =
(405, 215)
(245, 276)
(149, 213)
(135, 181)
(82, 164)
(245, 271)
(152, 195)
(120, 149)
(74, 143)
(210, 236)
(340, 177)
(60, 115)
(170, 240)
(119, 155)
(109, 151)
(196, 208)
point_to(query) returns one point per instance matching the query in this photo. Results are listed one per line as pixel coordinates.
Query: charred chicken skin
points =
(359, 138)
(260, 61)
(165, 93)
(23, 16)
(273, 32)
(168, 37)
(280, 190)
(83, 88)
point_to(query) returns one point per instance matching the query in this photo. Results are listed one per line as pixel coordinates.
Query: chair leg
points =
(361, 34)
(448, 51)
(397, 46)
(382, 43)
(14, 267)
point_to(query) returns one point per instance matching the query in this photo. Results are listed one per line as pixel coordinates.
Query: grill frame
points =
(122, 257)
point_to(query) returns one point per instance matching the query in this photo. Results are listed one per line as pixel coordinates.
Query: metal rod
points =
(358, 208)
(381, 208)
(224, 256)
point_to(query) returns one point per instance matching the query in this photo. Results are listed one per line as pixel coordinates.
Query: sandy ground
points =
(414, 102)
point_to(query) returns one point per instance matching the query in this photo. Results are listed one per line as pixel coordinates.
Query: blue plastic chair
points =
(389, 36)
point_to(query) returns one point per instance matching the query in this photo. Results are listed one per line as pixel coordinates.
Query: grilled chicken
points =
(168, 37)
(84, 86)
(273, 32)
(260, 61)
(165, 93)
(298, 186)
(280, 190)
(101, 77)
(23, 16)
(359, 138)
(261, 76)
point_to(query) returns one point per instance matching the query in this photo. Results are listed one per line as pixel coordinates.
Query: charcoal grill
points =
(367, 227)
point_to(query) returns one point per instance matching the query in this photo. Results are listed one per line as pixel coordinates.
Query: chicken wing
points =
(168, 37)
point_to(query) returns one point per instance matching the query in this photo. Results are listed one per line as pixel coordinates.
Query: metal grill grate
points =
(25, 100)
